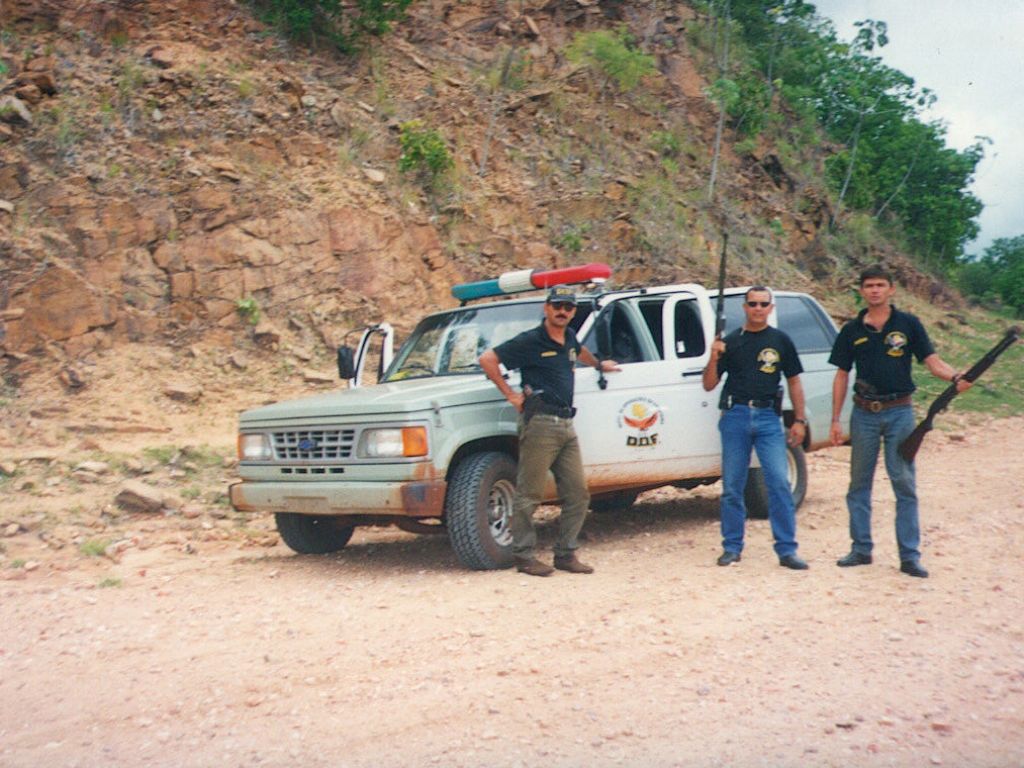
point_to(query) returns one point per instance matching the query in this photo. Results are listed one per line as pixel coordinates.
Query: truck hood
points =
(383, 401)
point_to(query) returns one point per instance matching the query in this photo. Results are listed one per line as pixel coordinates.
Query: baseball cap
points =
(562, 293)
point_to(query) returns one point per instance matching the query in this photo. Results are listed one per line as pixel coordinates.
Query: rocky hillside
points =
(175, 173)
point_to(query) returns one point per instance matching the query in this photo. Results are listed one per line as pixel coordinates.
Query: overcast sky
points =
(970, 53)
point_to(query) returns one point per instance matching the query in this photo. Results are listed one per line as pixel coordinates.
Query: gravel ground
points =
(219, 651)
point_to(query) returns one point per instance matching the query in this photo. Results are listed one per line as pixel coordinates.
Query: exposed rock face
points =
(204, 230)
(287, 257)
(165, 169)
(58, 304)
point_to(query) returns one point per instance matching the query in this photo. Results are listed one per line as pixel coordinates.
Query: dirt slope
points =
(207, 652)
(171, 171)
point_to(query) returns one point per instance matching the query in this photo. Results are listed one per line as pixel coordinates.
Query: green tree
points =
(977, 279)
(892, 164)
(1006, 255)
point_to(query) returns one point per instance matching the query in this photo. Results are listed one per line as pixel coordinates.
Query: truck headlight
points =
(254, 448)
(393, 442)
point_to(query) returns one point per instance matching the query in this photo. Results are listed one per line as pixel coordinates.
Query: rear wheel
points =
(312, 534)
(478, 510)
(756, 493)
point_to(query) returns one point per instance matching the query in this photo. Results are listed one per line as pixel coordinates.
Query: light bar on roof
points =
(532, 279)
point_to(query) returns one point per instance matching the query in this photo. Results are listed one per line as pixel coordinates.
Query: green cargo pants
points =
(548, 442)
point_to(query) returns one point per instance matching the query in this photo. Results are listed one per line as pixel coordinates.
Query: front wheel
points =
(478, 510)
(312, 534)
(756, 493)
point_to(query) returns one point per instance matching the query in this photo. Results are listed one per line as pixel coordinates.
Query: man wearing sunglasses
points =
(753, 359)
(546, 357)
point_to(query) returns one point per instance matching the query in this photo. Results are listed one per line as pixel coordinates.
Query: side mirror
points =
(346, 363)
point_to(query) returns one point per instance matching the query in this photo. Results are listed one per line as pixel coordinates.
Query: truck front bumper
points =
(418, 498)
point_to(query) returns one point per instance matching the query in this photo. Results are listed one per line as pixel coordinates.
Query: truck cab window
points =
(625, 332)
(689, 331)
(651, 311)
(800, 320)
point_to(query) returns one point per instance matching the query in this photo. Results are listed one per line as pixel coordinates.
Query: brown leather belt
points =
(875, 406)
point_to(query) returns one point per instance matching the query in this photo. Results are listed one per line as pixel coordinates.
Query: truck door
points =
(654, 423)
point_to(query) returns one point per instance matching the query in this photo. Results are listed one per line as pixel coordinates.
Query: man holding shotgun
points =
(880, 342)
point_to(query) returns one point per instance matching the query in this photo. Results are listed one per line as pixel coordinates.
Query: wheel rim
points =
(791, 471)
(499, 511)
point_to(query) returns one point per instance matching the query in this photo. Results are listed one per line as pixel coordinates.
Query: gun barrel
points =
(909, 447)
(720, 306)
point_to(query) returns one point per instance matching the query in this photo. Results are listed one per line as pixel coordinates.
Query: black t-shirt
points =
(547, 367)
(756, 361)
(882, 356)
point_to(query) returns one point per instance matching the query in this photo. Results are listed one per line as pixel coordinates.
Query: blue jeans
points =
(867, 432)
(742, 429)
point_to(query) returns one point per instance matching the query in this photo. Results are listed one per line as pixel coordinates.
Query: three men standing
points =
(754, 358)
(546, 356)
(880, 342)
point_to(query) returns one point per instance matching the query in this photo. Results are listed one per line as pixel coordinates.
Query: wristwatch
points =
(800, 421)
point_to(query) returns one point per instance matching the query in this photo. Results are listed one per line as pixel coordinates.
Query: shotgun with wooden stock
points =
(909, 447)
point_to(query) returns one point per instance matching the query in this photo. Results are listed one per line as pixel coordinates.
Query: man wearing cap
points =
(546, 357)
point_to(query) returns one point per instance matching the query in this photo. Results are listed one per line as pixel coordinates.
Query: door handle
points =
(692, 373)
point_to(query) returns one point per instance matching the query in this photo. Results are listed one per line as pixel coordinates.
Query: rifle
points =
(909, 447)
(720, 308)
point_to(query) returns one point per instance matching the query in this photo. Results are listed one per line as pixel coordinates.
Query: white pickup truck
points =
(432, 447)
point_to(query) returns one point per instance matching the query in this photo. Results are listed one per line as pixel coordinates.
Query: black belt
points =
(534, 405)
(876, 398)
(731, 402)
(560, 411)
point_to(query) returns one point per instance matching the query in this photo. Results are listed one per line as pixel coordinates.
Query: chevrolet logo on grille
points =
(308, 444)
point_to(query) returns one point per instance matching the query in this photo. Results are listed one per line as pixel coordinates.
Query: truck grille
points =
(314, 444)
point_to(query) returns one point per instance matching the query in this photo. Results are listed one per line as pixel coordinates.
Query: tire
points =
(478, 510)
(312, 534)
(619, 501)
(756, 493)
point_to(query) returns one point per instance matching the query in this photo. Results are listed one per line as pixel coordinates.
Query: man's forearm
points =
(709, 378)
(839, 385)
(939, 368)
(796, 397)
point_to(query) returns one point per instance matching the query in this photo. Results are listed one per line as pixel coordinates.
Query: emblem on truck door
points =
(640, 416)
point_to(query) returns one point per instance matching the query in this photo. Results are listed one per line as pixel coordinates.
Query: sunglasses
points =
(562, 306)
(762, 304)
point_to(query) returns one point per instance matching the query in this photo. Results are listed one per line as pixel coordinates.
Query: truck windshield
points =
(449, 344)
